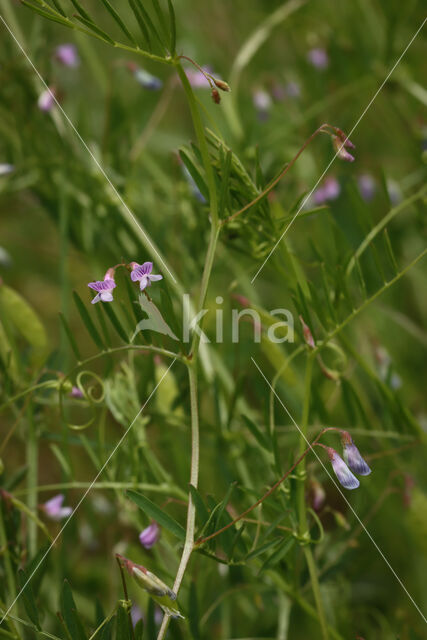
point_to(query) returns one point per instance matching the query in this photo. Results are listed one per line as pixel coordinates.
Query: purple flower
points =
(54, 509)
(46, 99)
(142, 272)
(343, 473)
(354, 459)
(150, 535)
(5, 169)
(136, 614)
(318, 495)
(76, 393)
(104, 287)
(340, 142)
(318, 58)
(330, 190)
(367, 186)
(67, 55)
(146, 80)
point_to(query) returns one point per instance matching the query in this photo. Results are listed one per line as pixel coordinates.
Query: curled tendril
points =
(90, 394)
(340, 363)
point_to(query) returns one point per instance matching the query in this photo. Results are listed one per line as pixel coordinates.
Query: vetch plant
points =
(208, 428)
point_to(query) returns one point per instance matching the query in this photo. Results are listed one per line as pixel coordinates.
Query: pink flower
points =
(341, 143)
(67, 55)
(318, 58)
(142, 273)
(104, 287)
(149, 536)
(54, 510)
(46, 99)
(76, 393)
(308, 337)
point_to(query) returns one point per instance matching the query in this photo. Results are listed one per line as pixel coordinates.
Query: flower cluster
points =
(353, 462)
(139, 273)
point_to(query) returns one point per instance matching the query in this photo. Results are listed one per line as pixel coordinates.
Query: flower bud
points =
(307, 334)
(149, 536)
(352, 456)
(221, 85)
(215, 96)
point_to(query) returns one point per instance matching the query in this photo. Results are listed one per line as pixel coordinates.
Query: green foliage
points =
(352, 267)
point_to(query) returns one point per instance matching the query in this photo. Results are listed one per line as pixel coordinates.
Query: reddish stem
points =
(322, 129)
(266, 495)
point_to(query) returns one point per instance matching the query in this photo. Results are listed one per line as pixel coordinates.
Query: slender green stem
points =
(167, 489)
(4, 545)
(194, 479)
(201, 138)
(304, 533)
(32, 480)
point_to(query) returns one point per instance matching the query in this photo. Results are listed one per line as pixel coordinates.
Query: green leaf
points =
(262, 548)
(99, 32)
(46, 14)
(69, 334)
(24, 319)
(201, 509)
(80, 9)
(257, 433)
(152, 29)
(153, 511)
(141, 22)
(87, 320)
(139, 630)
(193, 612)
(28, 598)
(172, 26)
(279, 554)
(225, 179)
(119, 21)
(59, 8)
(160, 17)
(70, 615)
(109, 311)
(194, 173)
(122, 628)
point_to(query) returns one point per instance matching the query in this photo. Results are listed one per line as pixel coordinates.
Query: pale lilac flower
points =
(147, 80)
(149, 536)
(262, 103)
(5, 169)
(142, 272)
(394, 192)
(343, 473)
(352, 456)
(136, 614)
(104, 287)
(46, 99)
(197, 79)
(318, 58)
(53, 508)
(330, 190)
(67, 55)
(76, 393)
(367, 186)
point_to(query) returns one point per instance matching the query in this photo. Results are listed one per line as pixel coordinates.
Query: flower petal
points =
(144, 282)
(106, 296)
(343, 473)
(355, 461)
(155, 278)
(96, 299)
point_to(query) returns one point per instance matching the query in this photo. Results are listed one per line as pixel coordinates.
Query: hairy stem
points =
(32, 481)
